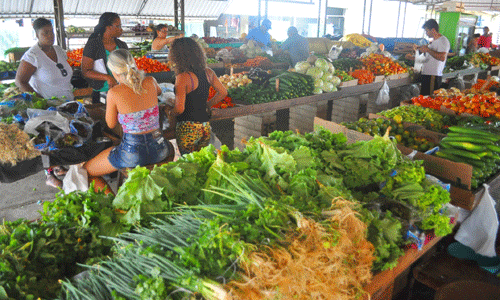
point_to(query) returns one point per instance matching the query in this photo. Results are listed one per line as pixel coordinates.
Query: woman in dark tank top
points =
(192, 83)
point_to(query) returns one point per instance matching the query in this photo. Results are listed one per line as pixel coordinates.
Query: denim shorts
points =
(140, 150)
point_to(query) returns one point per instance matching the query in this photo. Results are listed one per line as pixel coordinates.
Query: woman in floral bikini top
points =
(134, 104)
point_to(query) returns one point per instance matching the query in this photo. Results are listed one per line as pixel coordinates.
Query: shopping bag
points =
(76, 179)
(479, 230)
(420, 59)
(383, 95)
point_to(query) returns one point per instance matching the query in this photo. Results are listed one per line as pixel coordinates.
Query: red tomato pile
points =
(363, 76)
(75, 57)
(149, 65)
(483, 105)
(225, 103)
(382, 65)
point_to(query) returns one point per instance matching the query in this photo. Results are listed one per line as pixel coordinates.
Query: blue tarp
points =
(390, 42)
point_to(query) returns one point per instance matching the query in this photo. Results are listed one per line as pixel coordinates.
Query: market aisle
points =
(24, 198)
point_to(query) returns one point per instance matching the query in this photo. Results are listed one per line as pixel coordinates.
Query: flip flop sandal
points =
(60, 171)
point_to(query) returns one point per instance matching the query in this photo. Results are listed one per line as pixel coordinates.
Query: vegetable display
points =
(427, 117)
(75, 57)
(322, 71)
(363, 76)
(9, 66)
(474, 146)
(379, 64)
(347, 64)
(225, 103)
(235, 80)
(149, 65)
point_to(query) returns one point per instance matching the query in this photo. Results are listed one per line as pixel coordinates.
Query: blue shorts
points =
(140, 150)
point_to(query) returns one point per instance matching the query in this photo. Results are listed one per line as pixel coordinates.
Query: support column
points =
(59, 20)
(179, 11)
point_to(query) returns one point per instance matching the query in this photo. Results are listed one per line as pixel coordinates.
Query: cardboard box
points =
(353, 82)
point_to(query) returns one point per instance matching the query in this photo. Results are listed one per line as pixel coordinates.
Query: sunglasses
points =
(64, 73)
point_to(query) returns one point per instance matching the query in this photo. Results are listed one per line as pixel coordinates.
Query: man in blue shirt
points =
(260, 35)
(296, 45)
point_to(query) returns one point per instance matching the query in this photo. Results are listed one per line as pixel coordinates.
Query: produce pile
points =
(455, 63)
(476, 146)
(403, 136)
(150, 65)
(291, 85)
(427, 117)
(8, 66)
(379, 64)
(251, 50)
(225, 103)
(492, 85)
(357, 40)
(210, 52)
(363, 76)
(343, 75)
(322, 71)
(212, 61)
(483, 105)
(235, 80)
(484, 60)
(347, 64)
(74, 29)
(75, 57)
(222, 224)
(258, 61)
(15, 145)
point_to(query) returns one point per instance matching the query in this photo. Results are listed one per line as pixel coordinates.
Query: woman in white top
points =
(44, 68)
(160, 39)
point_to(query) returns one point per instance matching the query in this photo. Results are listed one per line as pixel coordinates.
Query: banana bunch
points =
(357, 39)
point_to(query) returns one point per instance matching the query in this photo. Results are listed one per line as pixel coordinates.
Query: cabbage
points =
(317, 91)
(331, 68)
(334, 89)
(328, 87)
(336, 81)
(327, 77)
(318, 83)
(302, 67)
(315, 72)
(322, 64)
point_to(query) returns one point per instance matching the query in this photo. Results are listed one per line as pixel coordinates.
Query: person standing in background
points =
(436, 54)
(296, 45)
(192, 83)
(473, 44)
(100, 44)
(160, 39)
(485, 39)
(260, 35)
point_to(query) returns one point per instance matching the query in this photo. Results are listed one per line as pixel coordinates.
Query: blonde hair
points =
(121, 62)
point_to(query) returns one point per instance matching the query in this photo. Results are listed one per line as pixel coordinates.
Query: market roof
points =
(144, 9)
(467, 5)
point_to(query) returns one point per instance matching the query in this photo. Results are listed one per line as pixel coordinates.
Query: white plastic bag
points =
(76, 179)
(420, 59)
(383, 95)
(334, 52)
(479, 230)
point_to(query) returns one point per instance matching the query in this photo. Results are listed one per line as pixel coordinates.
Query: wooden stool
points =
(444, 269)
(467, 290)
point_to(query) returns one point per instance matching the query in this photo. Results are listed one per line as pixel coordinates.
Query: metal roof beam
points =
(143, 4)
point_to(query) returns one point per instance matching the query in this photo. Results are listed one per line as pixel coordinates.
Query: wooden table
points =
(389, 283)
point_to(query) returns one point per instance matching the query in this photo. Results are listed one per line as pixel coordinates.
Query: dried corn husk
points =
(321, 262)
(15, 145)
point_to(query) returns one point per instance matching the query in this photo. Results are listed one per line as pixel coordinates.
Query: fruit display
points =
(483, 105)
(250, 49)
(210, 52)
(484, 60)
(408, 138)
(347, 64)
(291, 85)
(492, 85)
(235, 80)
(219, 40)
(357, 40)
(343, 75)
(382, 65)
(75, 57)
(427, 117)
(8, 66)
(452, 92)
(149, 65)
(74, 29)
(322, 71)
(363, 76)
(476, 146)
(259, 76)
